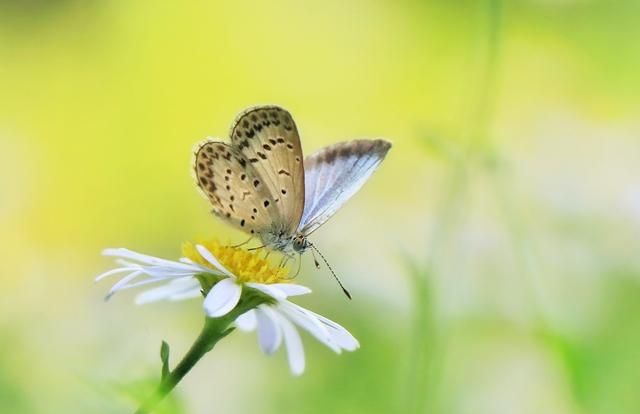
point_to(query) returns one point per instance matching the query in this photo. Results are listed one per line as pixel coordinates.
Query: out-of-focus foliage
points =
(493, 258)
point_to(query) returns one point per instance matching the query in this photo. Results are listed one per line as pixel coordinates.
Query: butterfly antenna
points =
(243, 243)
(315, 261)
(346, 292)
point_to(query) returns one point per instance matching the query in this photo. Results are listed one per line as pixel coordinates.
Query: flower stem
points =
(214, 330)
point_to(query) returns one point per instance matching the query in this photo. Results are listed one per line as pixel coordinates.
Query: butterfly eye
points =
(299, 244)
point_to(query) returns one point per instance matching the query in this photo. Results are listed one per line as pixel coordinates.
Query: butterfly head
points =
(276, 238)
(299, 243)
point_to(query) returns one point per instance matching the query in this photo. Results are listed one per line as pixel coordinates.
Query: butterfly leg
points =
(299, 266)
(286, 259)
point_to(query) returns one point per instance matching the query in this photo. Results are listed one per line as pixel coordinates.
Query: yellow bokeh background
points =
(492, 258)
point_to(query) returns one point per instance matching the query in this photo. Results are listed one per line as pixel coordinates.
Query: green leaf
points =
(164, 356)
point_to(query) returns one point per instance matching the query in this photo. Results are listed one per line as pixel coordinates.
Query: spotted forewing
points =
(256, 182)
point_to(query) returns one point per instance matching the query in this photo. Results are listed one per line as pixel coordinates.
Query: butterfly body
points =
(261, 183)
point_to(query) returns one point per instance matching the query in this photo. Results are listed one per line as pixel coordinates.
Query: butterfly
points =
(261, 183)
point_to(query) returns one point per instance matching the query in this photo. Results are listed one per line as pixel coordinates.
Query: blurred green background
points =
(493, 258)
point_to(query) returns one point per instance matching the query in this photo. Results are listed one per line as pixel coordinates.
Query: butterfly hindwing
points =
(236, 190)
(268, 138)
(334, 174)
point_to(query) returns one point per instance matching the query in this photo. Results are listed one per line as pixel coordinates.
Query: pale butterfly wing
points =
(334, 174)
(268, 138)
(234, 187)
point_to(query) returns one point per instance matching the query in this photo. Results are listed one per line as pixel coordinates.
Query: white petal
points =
(164, 271)
(269, 332)
(126, 263)
(338, 333)
(291, 289)
(209, 257)
(198, 268)
(127, 258)
(138, 257)
(187, 294)
(295, 350)
(247, 322)
(172, 291)
(222, 298)
(140, 283)
(269, 290)
(309, 323)
(116, 271)
(154, 295)
(122, 283)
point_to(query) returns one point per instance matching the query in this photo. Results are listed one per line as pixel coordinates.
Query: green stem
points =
(214, 330)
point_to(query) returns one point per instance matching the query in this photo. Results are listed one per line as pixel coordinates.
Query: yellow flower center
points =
(246, 266)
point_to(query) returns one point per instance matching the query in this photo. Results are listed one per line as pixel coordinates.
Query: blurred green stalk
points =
(427, 335)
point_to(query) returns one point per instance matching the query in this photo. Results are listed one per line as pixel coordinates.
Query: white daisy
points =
(229, 276)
